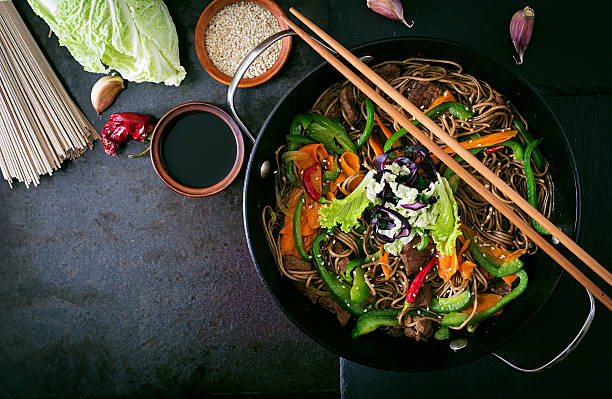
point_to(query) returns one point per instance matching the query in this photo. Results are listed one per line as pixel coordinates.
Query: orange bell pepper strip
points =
(485, 301)
(448, 265)
(466, 268)
(384, 258)
(510, 278)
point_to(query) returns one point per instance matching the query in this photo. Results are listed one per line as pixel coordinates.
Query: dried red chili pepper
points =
(121, 127)
(417, 283)
(491, 150)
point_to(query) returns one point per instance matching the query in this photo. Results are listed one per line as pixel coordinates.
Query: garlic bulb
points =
(521, 27)
(391, 9)
(105, 91)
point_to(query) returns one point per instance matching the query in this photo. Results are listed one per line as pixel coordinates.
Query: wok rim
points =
(537, 308)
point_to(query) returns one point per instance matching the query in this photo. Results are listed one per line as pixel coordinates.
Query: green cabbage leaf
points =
(347, 211)
(137, 38)
(445, 230)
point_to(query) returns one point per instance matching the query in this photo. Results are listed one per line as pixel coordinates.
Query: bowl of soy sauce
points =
(197, 149)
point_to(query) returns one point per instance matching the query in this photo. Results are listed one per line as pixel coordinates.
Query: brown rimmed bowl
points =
(163, 127)
(200, 42)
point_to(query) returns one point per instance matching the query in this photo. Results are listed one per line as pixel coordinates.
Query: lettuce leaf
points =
(445, 230)
(137, 38)
(347, 211)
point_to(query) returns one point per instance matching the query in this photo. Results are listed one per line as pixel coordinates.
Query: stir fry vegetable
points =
(456, 319)
(532, 194)
(340, 290)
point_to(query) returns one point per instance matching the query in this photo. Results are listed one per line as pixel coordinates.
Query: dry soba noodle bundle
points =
(40, 125)
(413, 283)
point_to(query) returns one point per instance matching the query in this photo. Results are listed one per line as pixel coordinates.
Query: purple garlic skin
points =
(521, 27)
(391, 9)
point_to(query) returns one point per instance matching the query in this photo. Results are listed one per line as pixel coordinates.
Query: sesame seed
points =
(234, 31)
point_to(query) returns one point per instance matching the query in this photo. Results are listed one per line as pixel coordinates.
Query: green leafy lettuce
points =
(445, 230)
(137, 38)
(347, 211)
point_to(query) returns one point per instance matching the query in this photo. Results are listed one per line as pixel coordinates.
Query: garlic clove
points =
(521, 27)
(105, 91)
(391, 9)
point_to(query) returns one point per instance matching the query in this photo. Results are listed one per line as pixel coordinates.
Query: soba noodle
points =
(492, 114)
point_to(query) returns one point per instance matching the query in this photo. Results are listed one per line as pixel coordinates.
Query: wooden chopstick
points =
(450, 162)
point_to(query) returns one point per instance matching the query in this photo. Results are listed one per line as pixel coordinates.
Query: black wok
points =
(377, 349)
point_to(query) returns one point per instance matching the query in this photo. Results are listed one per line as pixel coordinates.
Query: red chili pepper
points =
(121, 127)
(417, 283)
(308, 184)
(491, 150)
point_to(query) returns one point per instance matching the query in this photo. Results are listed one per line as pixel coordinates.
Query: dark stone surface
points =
(113, 285)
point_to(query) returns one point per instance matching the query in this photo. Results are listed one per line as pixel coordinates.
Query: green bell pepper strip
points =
(424, 241)
(337, 129)
(454, 304)
(454, 108)
(394, 137)
(324, 136)
(300, 139)
(291, 146)
(299, 122)
(456, 319)
(297, 230)
(538, 158)
(333, 174)
(360, 290)
(442, 333)
(352, 265)
(340, 290)
(517, 149)
(507, 268)
(367, 131)
(374, 318)
(532, 187)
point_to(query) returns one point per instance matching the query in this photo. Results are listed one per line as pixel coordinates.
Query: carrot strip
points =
(384, 257)
(463, 248)
(485, 141)
(378, 149)
(386, 131)
(350, 163)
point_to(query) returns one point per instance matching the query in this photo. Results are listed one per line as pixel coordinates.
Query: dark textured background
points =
(113, 285)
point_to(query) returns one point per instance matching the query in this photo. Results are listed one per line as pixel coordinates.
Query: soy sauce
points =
(199, 150)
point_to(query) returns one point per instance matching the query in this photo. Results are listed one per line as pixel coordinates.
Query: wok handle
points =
(572, 345)
(244, 66)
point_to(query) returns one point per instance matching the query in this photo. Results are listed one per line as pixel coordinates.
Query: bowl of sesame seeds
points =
(229, 29)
